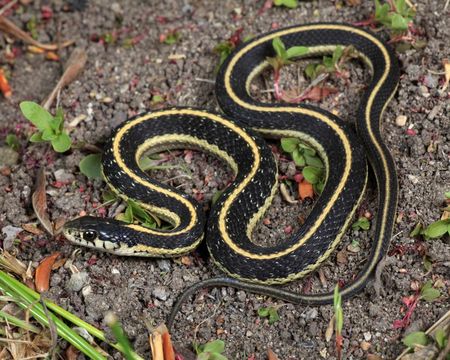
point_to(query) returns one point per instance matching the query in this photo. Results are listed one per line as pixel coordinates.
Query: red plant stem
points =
(276, 84)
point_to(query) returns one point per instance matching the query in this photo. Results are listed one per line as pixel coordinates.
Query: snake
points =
(236, 136)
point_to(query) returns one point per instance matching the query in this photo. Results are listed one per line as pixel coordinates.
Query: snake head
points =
(93, 232)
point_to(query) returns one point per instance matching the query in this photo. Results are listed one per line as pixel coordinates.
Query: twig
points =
(209, 81)
(10, 28)
(446, 5)
(322, 77)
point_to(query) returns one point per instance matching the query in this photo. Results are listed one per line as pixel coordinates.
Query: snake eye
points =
(89, 235)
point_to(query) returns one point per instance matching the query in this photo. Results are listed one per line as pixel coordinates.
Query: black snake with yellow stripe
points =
(234, 139)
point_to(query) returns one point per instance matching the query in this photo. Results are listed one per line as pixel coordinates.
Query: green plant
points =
(395, 15)
(306, 158)
(362, 223)
(420, 338)
(50, 316)
(437, 229)
(12, 141)
(50, 128)
(283, 57)
(330, 64)
(91, 166)
(288, 3)
(338, 320)
(117, 330)
(210, 351)
(134, 212)
(270, 312)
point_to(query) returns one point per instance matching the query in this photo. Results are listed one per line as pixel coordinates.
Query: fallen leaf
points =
(72, 353)
(342, 257)
(4, 85)
(317, 93)
(286, 195)
(42, 273)
(12, 264)
(353, 2)
(10, 28)
(73, 68)
(35, 49)
(271, 355)
(373, 357)
(305, 190)
(322, 278)
(32, 228)
(364, 345)
(186, 260)
(39, 201)
(330, 329)
(52, 56)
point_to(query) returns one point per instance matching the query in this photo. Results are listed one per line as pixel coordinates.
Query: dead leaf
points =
(322, 278)
(72, 353)
(42, 273)
(73, 68)
(186, 260)
(5, 89)
(39, 201)
(342, 257)
(12, 264)
(11, 29)
(373, 357)
(271, 355)
(353, 2)
(305, 190)
(161, 345)
(317, 93)
(32, 228)
(330, 329)
(58, 225)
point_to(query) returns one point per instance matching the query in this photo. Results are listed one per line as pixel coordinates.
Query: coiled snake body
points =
(233, 138)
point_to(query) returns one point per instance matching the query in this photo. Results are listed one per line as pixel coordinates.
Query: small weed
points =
(283, 57)
(50, 128)
(437, 229)
(395, 15)
(308, 160)
(171, 37)
(135, 212)
(292, 4)
(330, 64)
(210, 351)
(122, 340)
(420, 338)
(32, 27)
(12, 141)
(362, 223)
(270, 312)
(225, 48)
(338, 320)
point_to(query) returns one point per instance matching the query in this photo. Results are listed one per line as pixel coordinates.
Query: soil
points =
(122, 75)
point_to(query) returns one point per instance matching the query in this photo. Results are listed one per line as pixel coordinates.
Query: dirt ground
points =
(127, 66)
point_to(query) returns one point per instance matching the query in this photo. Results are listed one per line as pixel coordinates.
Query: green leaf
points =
(48, 135)
(437, 229)
(108, 195)
(362, 223)
(12, 141)
(328, 63)
(447, 194)
(440, 337)
(428, 293)
(399, 23)
(296, 51)
(318, 188)
(263, 312)
(139, 213)
(91, 166)
(35, 113)
(216, 346)
(381, 12)
(416, 338)
(289, 144)
(417, 230)
(279, 48)
(400, 6)
(298, 158)
(216, 356)
(337, 54)
(313, 161)
(288, 3)
(36, 137)
(62, 143)
(56, 124)
(310, 71)
(273, 315)
(427, 264)
(216, 196)
(312, 174)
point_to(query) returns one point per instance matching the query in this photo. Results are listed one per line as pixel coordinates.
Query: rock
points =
(164, 265)
(161, 293)
(401, 120)
(77, 281)
(310, 314)
(8, 157)
(63, 176)
(367, 336)
(10, 235)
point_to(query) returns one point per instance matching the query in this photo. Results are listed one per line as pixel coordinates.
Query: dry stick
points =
(8, 6)
(73, 68)
(10, 28)
(39, 202)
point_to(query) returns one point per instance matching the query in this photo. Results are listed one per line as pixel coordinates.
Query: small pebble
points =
(367, 336)
(115, 271)
(365, 345)
(164, 265)
(87, 290)
(311, 314)
(401, 120)
(161, 293)
(63, 175)
(8, 156)
(77, 281)
(423, 90)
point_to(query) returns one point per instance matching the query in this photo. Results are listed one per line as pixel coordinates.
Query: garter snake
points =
(235, 138)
